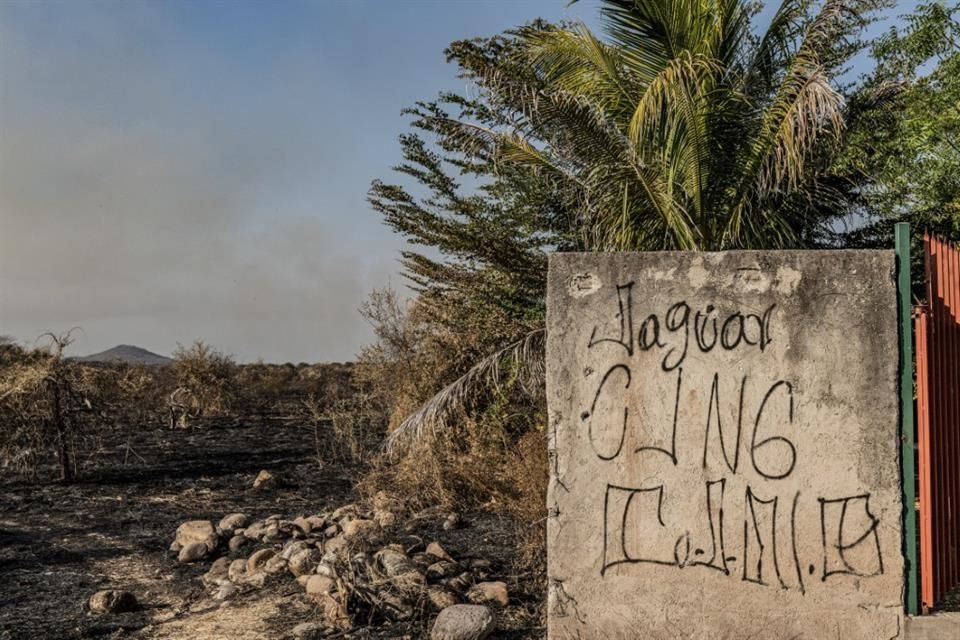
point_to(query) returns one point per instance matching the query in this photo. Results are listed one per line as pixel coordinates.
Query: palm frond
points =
(525, 356)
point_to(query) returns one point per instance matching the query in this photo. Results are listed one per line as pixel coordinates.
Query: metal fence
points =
(937, 331)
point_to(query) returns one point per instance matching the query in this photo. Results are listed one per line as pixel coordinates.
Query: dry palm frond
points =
(525, 357)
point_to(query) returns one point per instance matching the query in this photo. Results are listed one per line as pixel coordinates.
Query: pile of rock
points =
(353, 565)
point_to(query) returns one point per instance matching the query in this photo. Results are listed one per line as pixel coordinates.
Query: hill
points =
(126, 353)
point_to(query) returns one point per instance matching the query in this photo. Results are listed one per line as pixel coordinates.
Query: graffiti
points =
(749, 526)
(670, 331)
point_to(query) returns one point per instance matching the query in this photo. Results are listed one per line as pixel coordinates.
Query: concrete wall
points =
(724, 446)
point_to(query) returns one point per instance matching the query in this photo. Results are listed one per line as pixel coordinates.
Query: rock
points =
(442, 598)
(331, 531)
(217, 573)
(442, 569)
(463, 622)
(317, 523)
(489, 592)
(393, 561)
(304, 562)
(325, 568)
(198, 531)
(255, 531)
(452, 521)
(237, 570)
(193, 552)
(275, 565)
(233, 521)
(112, 601)
(255, 579)
(319, 585)
(480, 564)
(175, 547)
(226, 591)
(302, 580)
(292, 548)
(237, 543)
(423, 560)
(273, 533)
(384, 518)
(303, 524)
(461, 582)
(335, 545)
(359, 528)
(345, 510)
(264, 480)
(437, 551)
(258, 560)
(309, 631)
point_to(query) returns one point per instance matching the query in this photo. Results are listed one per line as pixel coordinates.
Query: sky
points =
(172, 171)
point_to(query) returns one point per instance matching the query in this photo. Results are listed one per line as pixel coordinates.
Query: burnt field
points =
(112, 529)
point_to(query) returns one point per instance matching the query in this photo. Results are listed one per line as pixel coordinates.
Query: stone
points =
(442, 598)
(319, 585)
(331, 531)
(237, 570)
(197, 531)
(303, 524)
(273, 533)
(264, 480)
(359, 528)
(437, 551)
(292, 548)
(460, 583)
(463, 622)
(113, 601)
(335, 545)
(255, 531)
(233, 521)
(393, 561)
(442, 569)
(724, 445)
(325, 568)
(193, 552)
(489, 593)
(175, 547)
(255, 579)
(345, 510)
(237, 543)
(452, 521)
(304, 562)
(259, 558)
(309, 631)
(217, 572)
(274, 565)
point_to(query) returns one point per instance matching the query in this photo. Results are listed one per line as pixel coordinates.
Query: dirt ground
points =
(61, 543)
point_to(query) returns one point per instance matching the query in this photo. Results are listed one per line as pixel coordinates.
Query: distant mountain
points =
(127, 353)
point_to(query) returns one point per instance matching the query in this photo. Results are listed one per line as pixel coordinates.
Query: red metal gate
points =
(937, 328)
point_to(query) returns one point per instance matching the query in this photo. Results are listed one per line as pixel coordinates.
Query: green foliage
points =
(681, 129)
(911, 151)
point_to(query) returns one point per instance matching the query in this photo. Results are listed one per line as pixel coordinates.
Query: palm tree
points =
(681, 129)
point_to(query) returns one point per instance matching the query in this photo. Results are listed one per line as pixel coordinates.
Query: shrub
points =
(46, 403)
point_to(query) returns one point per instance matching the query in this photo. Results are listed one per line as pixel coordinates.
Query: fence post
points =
(902, 244)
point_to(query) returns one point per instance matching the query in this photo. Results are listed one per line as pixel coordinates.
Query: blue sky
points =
(179, 170)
